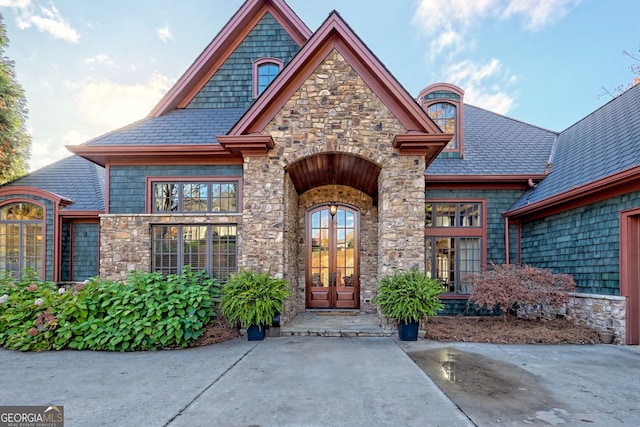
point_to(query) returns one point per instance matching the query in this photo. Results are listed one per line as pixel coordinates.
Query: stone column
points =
(401, 215)
(262, 233)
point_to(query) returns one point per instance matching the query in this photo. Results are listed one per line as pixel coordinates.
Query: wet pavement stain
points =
(487, 390)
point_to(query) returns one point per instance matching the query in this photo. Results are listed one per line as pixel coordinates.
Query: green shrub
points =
(253, 298)
(409, 295)
(146, 312)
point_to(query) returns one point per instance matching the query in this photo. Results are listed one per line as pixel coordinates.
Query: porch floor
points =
(335, 324)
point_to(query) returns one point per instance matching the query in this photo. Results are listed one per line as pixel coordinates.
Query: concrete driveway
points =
(300, 381)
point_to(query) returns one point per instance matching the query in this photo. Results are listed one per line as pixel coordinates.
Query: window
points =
(21, 238)
(443, 103)
(211, 248)
(444, 115)
(187, 197)
(265, 71)
(453, 239)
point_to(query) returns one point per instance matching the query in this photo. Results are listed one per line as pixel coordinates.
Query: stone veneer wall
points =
(600, 312)
(368, 250)
(125, 240)
(332, 111)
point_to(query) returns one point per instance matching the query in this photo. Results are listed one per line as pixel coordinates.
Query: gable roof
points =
(76, 180)
(601, 150)
(221, 47)
(495, 145)
(423, 136)
(178, 127)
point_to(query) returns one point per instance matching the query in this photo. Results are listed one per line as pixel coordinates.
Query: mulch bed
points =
(513, 331)
(460, 329)
(217, 331)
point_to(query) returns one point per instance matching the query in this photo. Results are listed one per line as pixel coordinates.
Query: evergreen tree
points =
(15, 142)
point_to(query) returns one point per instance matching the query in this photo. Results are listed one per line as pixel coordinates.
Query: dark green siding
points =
(232, 85)
(127, 184)
(498, 201)
(583, 242)
(85, 251)
(65, 253)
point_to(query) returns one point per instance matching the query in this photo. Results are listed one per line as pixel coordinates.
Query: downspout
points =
(506, 240)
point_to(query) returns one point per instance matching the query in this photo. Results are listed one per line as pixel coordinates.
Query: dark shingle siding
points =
(232, 85)
(583, 242)
(497, 145)
(127, 188)
(602, 144)
(86, 241)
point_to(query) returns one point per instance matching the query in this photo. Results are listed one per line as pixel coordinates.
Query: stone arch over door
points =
(347, 180)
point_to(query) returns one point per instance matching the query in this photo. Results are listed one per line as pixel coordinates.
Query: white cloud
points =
(165, 33)
(538, 13)
(111, 105)
(483, 84)
(452, 20)
(46, 151)
(46, 19)
(100, 59)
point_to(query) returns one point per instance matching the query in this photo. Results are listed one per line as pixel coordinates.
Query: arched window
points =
(444, 115)
(21, 238)
(265, 71)
(443, 102)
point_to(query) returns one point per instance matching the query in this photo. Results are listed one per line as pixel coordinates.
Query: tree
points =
(15, 141)
(635, 69)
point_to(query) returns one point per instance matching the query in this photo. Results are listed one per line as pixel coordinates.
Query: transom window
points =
(21, 238)
(454, 234)
(186, 197)
(211, 248)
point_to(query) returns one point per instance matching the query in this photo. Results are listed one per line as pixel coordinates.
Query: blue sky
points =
(89, 67)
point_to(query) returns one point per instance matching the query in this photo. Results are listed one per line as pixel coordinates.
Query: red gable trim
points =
(335, 34)
(36, 192)
(596, 191)
(223, 45)
(100, 154)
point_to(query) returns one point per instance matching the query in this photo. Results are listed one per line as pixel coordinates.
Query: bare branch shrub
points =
(505, 287)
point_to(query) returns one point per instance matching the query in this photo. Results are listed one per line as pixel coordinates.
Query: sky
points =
(90, 67)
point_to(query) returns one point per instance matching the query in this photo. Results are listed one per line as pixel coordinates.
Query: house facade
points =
(297, 152)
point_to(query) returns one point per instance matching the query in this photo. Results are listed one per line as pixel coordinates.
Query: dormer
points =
(443, 103)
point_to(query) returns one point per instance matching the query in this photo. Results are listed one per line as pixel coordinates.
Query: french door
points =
(332, 258)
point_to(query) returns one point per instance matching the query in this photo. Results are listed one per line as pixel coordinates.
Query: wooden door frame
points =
(630, 272)
(333, 294)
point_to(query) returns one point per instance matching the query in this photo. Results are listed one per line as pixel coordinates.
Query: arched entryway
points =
(332, 271)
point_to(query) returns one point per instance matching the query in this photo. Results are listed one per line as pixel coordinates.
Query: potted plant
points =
(408, 296)
(252, 299)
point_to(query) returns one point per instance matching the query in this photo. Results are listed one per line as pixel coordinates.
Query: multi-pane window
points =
(211, 248)
(187, 197)
(444, 115)
(21, 238)
(453, 242)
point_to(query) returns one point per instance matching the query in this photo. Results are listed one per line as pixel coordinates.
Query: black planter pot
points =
(408, 331)
(255, 333)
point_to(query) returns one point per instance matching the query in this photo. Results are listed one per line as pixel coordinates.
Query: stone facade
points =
(333, 111)
(600, 312)
(125, 240)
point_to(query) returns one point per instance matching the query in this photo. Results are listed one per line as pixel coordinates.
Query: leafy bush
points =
(253, 298)
(146, 312)
(409, 295)
(507, 287)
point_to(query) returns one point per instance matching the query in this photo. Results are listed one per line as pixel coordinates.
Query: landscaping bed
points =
(514, 331)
